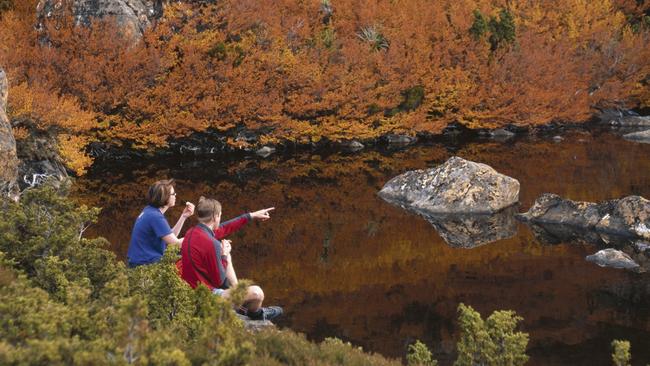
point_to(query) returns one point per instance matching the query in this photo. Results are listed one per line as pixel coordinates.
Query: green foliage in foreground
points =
(621, 355)
(66, 300)
(419, 355)
(493, 341)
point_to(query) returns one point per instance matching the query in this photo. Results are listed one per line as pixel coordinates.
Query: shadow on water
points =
(345, 263)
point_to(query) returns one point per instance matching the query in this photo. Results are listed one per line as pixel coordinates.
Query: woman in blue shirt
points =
(151, 232)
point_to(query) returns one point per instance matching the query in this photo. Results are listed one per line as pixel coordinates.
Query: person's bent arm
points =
(172, 239)
(187, 212)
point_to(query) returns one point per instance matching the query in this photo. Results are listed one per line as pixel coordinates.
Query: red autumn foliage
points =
(304, 71)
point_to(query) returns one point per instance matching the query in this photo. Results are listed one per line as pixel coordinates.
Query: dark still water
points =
(344, 263)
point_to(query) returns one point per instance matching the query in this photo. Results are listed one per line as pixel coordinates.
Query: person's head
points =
(162, 194)
(208, 211)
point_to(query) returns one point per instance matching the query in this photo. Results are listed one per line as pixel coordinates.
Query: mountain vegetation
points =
(306, 71)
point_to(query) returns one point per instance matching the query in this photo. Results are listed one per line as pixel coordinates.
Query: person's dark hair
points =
(207, 208)
(159, 193)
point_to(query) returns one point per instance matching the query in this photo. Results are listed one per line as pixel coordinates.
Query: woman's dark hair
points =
(159, 193)
(207, 208)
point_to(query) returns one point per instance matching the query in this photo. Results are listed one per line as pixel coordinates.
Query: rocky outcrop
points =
(8, 158)
(255, 326)
(631, 121)
(642, 136)
(612, 258)
(619, 217)
(133, 15)
(40, 160)
(456, 187)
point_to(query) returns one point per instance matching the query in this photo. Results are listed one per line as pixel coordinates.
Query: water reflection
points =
(552, 234)
(344, 263)
(472, 230)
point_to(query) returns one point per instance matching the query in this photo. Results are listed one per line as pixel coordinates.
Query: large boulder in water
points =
(620, 217)
(8, 159)
(612, 258)
(458, 186)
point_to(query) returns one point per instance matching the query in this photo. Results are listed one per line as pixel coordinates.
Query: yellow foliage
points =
(46, 109)
(72, 150)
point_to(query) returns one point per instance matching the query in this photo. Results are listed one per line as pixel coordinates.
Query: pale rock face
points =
(133, 15)
(8, 159)
(456, 187)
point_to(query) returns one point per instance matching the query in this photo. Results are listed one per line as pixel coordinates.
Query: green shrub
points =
(288, 348)
(479, 26)
(490, 342)
(501, 31)
(621, 355)
(419, 355)
(413, 97)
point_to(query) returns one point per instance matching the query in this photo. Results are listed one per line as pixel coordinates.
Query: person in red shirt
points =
(206, 259)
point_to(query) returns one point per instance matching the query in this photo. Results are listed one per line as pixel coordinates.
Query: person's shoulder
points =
(151, 211)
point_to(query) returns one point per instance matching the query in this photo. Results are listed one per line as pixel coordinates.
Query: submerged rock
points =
(619, 217)
(393, 139)
(642, 136)
(352, 145)
(458, 186)
(265, 151)
(8, 157)
(501, 134)
(612, 258)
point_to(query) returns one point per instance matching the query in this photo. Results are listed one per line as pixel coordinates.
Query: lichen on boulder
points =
(458, 186)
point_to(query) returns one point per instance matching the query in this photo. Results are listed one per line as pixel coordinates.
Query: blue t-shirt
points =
(146, 244)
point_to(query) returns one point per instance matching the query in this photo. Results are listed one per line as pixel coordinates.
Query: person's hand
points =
(226, 247)
(188, 210)
(262, 215)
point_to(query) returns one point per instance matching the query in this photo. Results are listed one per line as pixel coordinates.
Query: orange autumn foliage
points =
(304, 71)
